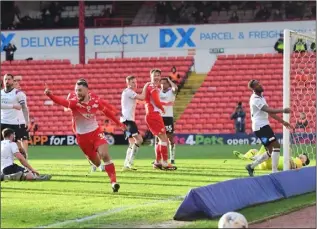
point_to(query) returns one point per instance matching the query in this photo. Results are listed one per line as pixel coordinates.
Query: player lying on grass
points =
(254, 154)
(108, 106)
(260, 112)
(10, 170)
(90, 137)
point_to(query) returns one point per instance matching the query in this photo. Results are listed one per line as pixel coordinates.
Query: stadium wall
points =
(179, 40)
(179, 139)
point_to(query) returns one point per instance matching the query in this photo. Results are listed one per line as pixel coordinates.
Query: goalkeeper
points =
(295, 163)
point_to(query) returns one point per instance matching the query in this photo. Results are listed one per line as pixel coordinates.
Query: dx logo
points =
(5, 40)
(168, 38)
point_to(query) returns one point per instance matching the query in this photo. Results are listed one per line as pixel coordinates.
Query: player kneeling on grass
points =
(10, 170)
(254, 154)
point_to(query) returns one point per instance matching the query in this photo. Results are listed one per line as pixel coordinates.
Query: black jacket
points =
(9, 49)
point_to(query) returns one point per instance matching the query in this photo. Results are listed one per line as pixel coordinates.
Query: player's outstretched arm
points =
(58, 99)
(61, 101)
(110, 115)
(280, 120)
(141, 96)
(109, 106)
(275, 111)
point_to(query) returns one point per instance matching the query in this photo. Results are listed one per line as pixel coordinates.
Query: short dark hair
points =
(129, 78)
(165, 78)
(82, 82)
(8, 74)
(251, 84)
(7, 132)
(155, 70)
(307, 161)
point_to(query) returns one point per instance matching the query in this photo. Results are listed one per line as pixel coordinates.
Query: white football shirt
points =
(8, 149)
(10, 116)
(128, 105)
(166, 97)
(259, 118)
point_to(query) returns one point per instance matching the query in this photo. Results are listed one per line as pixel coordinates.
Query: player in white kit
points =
(10, 170)
(9, 117)
(23, 133)
(260, 112)
(167, 96)
(128, 105)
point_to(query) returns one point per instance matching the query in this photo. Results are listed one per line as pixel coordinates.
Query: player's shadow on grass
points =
(101, 194)
(222, 173)
(163, 179)
(122, 183)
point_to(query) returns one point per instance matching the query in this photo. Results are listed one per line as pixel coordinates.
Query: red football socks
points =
(111, 171)
(164, 151)
(158, 153)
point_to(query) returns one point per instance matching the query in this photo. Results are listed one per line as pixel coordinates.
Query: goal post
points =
(286, 95)
(299, 94)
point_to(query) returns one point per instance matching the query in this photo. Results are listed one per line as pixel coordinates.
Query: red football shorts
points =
(90, 142)
(155, 123)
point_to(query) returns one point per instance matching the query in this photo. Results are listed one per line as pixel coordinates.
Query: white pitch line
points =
(108, 212)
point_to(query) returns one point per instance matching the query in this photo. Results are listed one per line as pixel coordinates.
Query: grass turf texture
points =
(70, 194)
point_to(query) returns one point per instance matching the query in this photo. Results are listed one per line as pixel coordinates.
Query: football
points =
(233, 220)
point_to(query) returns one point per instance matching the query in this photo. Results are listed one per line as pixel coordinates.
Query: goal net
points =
(299, 93)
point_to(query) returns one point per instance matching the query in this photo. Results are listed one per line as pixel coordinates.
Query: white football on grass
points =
(232, 220)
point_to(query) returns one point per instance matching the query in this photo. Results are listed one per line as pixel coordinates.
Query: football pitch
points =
(146, 196)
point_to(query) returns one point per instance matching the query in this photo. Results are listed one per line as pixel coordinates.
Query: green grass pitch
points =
(146, 196)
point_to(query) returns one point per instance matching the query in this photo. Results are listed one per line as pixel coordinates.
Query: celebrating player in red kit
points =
(90, 137)
(155, 122)
(109, 107)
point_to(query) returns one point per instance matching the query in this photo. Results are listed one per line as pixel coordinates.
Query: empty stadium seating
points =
(226, 84)
(106, 77)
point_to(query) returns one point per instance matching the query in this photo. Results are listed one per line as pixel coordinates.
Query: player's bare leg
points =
(162, 150)
(21, 149)
(275, 155)
(172, 147)
(25, 145)
(155, 142)
(109, 166)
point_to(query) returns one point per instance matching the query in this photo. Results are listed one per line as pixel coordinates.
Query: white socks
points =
(275, 159)
(172, 151)
(127, 157)
(130, 156)
(259, 160)
(134, 151)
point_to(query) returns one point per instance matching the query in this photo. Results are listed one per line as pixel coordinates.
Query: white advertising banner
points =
(150, 39)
